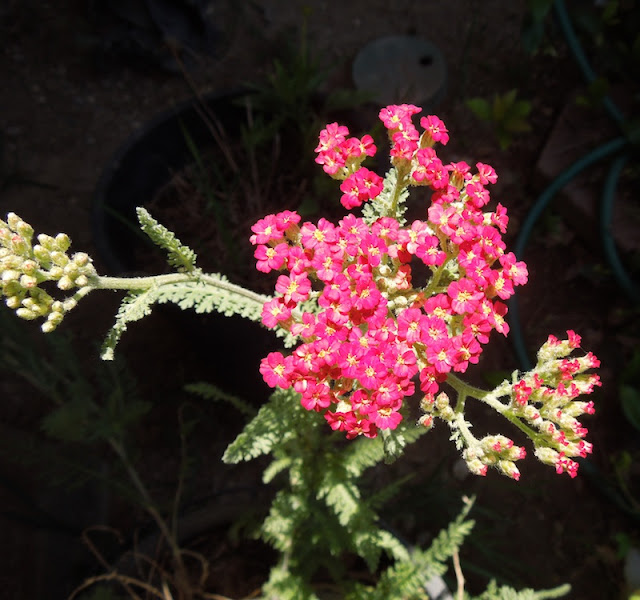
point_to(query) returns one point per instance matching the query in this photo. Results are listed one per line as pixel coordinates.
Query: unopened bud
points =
(59, 258)
(477, 467)
(47, 242)
(12, 288)
(19, 245)
(14, 302)
(56, 272)
(401, 301)
(82, 281)
(69, 304)
(10, 275)
(65, 283)
(546, 455)
(41, 253)
(25, 230)
(62, 242)
(29, 267)
(28, 281)
(442, 401)
(509, 469)
(13, 220)
(426, 421)
(71, 269)
(25, 313)
(81, 259)
(11, 261)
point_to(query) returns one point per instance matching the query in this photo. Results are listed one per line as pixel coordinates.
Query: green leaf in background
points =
(480, 108)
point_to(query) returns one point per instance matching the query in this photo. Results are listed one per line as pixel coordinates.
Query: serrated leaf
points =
(179, 255)
(212, 392)
(134, 307)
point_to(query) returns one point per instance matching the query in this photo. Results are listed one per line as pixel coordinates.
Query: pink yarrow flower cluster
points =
(375, 331)
(370, 333)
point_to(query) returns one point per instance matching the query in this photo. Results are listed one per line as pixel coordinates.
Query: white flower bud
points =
(28, 281)
(81, 259)
(71, 269)
(56, 272)
(59, 258)
(29, 267)
(47, 242)
(82, 281)
(25, 313)
(13, 220)
(69, 304)
(65, 283)
(62, 242)
(48, 326)
(41, 253)
(10, 275)
(14, 302)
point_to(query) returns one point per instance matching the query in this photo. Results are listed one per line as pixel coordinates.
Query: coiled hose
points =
(619, 150)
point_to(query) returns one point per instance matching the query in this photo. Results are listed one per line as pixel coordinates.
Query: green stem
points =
(397, 191)
(463, 388)
(145, 283)
(491, 399)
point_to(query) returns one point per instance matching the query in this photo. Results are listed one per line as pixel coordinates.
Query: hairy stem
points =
(148, 282)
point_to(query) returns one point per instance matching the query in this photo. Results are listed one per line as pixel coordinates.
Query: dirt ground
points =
(66, 108)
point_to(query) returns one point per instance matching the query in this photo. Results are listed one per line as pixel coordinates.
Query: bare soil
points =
(65, 111)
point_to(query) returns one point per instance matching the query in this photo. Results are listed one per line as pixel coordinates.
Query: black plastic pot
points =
(143, 165)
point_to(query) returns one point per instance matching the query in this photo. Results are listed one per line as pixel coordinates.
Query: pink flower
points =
(315, 395)
(441, 354)
(276, 370)
(410, 324)
(331, 136)
(385, 417)
(464, 295)
(275, 311)
(397, 116)
(294, 289)
(265, 230)
(270, 258)
(486, 173)
(435, 131)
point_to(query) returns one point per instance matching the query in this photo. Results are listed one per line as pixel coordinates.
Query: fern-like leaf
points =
(387, 204)
(493, 592)
(134, 307)
(208, 391)
(179, 256)
(213, 293)
(269, 428)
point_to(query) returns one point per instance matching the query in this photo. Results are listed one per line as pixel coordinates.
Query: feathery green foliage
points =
(179, 256)
(203, 294)
(134, 307)
(209, 391)
(383, 205)
(213, 293)
(493, 592)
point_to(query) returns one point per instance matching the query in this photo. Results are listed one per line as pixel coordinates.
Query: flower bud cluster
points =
(26, 266)
(494, 451)
(546, 399)
(375, 328)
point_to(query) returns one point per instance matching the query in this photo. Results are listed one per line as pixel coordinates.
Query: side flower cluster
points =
(546, 399)
(25, 267)
(372, 328)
